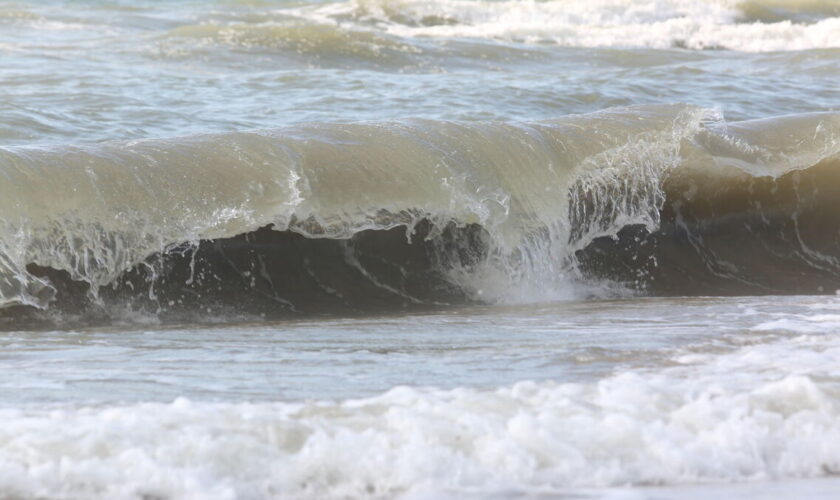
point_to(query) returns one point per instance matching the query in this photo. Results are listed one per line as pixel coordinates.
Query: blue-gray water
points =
(89, 71)
(419, 249)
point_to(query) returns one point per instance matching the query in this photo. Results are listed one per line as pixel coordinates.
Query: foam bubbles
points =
(750, 414)
(711, 24)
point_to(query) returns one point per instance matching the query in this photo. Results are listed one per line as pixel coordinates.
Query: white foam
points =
(590, 23)
(760, 412)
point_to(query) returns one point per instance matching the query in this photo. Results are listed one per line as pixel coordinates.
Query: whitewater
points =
(400, 249)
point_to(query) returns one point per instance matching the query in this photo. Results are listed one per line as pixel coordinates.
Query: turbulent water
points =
(381, 248)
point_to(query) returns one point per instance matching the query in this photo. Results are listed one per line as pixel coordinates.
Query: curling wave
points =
(666, 199)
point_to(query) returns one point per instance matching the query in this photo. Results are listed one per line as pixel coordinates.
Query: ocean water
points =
(447, 249)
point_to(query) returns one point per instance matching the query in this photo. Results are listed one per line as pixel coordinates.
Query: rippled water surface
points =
(90, 71)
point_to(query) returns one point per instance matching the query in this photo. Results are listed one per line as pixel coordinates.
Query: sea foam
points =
(755, 413)
(710, 24)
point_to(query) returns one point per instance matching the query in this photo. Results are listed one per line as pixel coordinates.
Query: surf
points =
(659, 199)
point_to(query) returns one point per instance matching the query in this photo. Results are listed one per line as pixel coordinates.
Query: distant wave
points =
(318, 40)
(396, 29)
(752, 26)
(788, 10)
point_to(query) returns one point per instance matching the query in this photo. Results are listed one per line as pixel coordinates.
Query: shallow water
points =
(411, 249)
(480, 346)
(537, 401)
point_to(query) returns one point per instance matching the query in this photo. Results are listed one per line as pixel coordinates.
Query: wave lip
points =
(490, 211)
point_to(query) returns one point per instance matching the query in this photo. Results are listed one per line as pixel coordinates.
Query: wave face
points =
(665, 199)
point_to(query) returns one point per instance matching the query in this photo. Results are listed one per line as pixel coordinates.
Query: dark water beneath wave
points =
(359, 217)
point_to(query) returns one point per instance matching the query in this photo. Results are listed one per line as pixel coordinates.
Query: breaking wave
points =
(393, 30)
(752, 26)
(666, 199)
